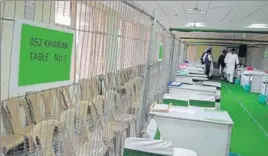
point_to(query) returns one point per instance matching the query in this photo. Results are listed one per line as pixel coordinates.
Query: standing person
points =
(221, 63)
(202, 61)
(231, 61)
(207, 59)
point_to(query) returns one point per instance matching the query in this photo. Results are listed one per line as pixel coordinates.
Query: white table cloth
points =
(207, 132)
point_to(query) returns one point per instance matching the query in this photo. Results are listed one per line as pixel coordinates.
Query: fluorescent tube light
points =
(197, 24)
(257, 26)
(191, 11)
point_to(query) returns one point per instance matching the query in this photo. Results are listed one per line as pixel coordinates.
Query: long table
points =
(194, 77)
(187, 90)
(257, 79)
(178, 88)
(205, 131)
(192, 100)
(149, 147)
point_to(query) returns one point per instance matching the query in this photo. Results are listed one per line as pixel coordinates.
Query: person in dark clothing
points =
(207, 59)
(221, 63)
(202, 62)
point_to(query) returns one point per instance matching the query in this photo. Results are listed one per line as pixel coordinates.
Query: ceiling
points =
(234, 15)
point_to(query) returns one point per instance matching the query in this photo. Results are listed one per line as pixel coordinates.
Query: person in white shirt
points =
(231, 61)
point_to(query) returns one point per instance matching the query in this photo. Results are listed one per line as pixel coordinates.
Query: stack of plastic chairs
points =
(92, 117)
(50, 139)
(17, 133)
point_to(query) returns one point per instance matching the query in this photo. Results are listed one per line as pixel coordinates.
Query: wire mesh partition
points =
(158, 72)
(175, 58)
(183, 52)
(116, 72)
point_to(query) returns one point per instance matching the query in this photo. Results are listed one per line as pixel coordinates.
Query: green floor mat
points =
(248, 139)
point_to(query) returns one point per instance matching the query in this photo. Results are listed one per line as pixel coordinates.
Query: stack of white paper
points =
(160, 108)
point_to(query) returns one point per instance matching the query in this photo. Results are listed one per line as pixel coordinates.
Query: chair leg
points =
(122, 143)
(111, 148)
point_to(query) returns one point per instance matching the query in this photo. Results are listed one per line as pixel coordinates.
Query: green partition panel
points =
(175, 102)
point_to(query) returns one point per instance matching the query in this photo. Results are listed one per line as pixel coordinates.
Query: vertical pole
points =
(0, 73)
(182, 52)
(265, 92)
(178, 54)
(185, 51)
(144, 91)
(171, 57)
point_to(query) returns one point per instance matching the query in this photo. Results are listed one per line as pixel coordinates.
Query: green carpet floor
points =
(249, 133)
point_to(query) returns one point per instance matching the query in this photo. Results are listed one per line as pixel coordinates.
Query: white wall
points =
(264, 60)
(255, 57)
(195, 52)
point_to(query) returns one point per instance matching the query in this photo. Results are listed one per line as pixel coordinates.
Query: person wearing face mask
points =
(231, 60)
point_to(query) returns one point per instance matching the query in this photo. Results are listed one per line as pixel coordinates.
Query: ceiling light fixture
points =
(258, 26)
(195, 24)
(195, 10)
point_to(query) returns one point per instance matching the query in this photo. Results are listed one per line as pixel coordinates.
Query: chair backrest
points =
(141, 69)
(128, 87)
(67, 98)
(98, 104)
(54, 104)
(90, 88)
(6, 119)
(15, 108)
(89, 113)
(118, 78)
(122, 77)
(5, 125)
(135, 71)
(125, 96)
(138, 86)
(94, 83)
(106, 116)
(132, 90)
(75, 92)
(75, 126)
(67, 117)
(84, 87)
(94, 148)
(111, 104)
(49, 136)
(127, 74)
(109, 81)
(36, 106)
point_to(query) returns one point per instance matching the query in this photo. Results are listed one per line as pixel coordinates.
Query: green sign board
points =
(266, 55)
(45, 55)
(160, 55)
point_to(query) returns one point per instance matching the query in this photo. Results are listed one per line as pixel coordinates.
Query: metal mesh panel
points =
(157, 74)
(175, 57)
(116, 75)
